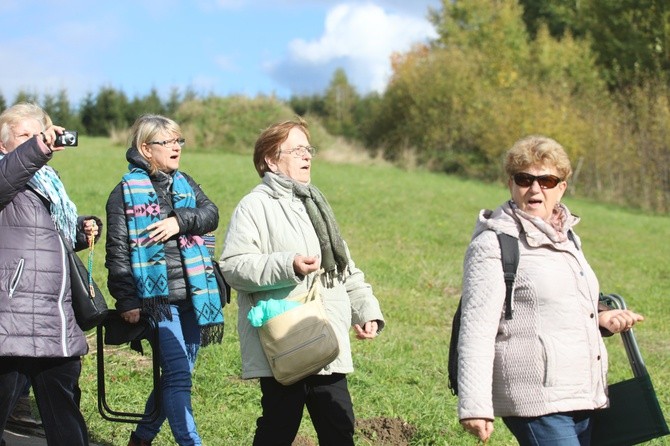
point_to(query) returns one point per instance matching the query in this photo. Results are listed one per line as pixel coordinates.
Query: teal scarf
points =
(148, 258)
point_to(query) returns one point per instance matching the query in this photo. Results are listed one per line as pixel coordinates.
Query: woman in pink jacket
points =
(544, 370)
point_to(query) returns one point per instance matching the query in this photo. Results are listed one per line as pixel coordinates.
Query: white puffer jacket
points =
(268, 229)
(550, 356)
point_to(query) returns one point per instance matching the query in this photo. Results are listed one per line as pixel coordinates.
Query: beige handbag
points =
(301, 341)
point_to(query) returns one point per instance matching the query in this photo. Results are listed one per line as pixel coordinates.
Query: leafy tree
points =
(339, 104)
(560, 16)
(313, 104)
(631, 38)
(3, 103)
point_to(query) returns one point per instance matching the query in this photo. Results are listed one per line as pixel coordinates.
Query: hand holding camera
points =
(57, 138)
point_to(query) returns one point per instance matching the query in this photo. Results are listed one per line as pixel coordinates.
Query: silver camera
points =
(69, 138)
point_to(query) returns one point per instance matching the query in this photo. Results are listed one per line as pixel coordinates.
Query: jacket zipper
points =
(61, 298)
(16, 277)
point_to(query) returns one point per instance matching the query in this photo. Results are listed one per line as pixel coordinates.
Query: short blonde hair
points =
(146, 127)
(18, 113)
(537, 149)
(268, 142)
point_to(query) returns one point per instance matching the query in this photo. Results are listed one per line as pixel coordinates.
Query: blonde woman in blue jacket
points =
(275, 243)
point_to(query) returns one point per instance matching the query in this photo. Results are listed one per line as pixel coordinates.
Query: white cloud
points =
(225, 63)
(359, 38)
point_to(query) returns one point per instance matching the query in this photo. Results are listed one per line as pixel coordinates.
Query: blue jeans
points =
(556, 429)
(179, 340)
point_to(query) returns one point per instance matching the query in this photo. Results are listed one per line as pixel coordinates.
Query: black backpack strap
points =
(509, 251)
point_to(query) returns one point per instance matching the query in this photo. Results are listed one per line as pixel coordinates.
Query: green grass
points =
(408, 232)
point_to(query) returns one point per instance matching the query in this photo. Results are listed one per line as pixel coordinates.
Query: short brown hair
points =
(537, 149)
(268, 142)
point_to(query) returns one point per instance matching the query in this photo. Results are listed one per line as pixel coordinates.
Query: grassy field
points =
(408, 232)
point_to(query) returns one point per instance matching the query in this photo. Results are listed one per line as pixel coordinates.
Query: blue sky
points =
(224, 47)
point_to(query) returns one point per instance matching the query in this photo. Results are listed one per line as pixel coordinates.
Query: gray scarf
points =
(334, 259)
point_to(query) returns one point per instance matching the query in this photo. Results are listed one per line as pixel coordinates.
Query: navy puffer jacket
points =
(36, 316)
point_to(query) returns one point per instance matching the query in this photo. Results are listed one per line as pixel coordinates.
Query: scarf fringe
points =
(158, 308)
(332, 277)
(211, 334)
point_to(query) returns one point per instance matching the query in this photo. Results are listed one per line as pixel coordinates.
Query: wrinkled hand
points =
(303, 265)
(131, 316)
(479, 427)
(90, 229)
(50, 137)
(616, 321)
(368, 331)
(161, 231)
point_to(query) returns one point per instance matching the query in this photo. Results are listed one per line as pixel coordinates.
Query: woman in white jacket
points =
(544, 370)
(279, 236)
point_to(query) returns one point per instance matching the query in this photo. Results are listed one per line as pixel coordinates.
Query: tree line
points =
(592, 74)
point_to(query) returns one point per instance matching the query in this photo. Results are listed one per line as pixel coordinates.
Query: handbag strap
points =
(312, 293)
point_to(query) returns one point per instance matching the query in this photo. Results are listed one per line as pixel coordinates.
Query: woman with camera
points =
(39, 336)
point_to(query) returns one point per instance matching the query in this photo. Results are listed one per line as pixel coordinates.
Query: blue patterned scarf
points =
(63, 211)
(148, 258)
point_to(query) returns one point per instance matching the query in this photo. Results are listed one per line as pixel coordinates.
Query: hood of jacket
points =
(508, 219)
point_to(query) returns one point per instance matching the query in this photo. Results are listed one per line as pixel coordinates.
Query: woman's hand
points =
(303, 265)
(368, 331)
(49, 137)
(90, 229)
(616, 321)
(131, 316)
(161, 231)
(479, 427)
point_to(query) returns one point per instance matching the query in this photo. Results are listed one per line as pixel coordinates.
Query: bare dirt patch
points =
(303, 441)
(386, 431)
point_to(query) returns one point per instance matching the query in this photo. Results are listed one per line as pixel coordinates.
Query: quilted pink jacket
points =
(550, 356)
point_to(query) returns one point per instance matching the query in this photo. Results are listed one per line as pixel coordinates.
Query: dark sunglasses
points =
(524, 179)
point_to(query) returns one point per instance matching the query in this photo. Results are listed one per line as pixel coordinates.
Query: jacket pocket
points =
(16, 277)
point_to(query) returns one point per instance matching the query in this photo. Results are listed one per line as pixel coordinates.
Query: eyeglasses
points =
(524, 179)
(300, 151)
(169, 142)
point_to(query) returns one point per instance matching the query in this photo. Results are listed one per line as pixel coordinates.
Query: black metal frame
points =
(149, 331)
(635, 415)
